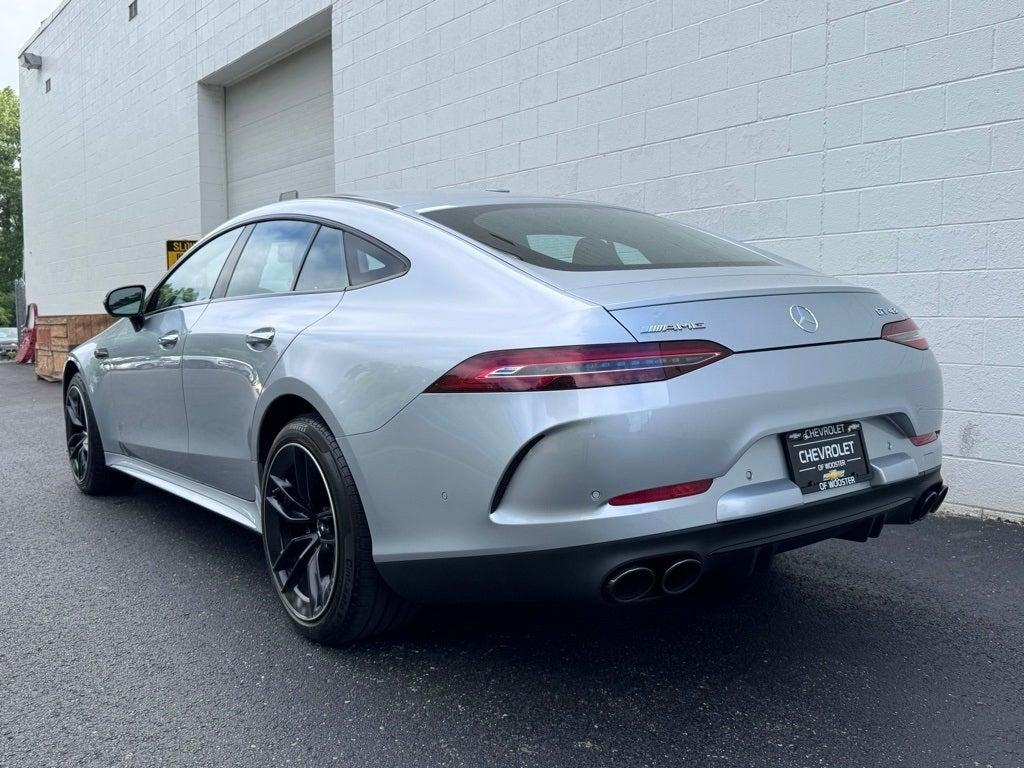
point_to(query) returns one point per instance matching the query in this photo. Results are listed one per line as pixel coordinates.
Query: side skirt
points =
(245, 513)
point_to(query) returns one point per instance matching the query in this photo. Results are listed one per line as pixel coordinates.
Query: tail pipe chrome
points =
(681, 575)
(930, 501)
(631, 584)
(636, 582)
(924, 505)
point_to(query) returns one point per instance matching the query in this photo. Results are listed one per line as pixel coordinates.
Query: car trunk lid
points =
(741, 308)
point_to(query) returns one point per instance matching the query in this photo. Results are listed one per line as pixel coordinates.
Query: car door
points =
(142, 360)
(288, 275)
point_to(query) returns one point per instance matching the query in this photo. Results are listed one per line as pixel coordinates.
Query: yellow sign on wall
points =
(175, 250)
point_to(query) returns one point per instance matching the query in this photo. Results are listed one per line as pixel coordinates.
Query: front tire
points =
(317, 542)
(85, 449)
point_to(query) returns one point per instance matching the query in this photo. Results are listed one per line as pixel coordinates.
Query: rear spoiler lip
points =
(725, 294)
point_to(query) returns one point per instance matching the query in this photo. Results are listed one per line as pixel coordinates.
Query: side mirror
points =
(126, 301)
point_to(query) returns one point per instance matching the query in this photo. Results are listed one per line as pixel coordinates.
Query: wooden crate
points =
(56, 335)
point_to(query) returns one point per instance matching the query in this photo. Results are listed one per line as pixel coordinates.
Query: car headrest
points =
(592, 252)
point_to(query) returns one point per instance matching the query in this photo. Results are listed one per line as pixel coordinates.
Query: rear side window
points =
(271, 258)
(582, 237)
(368, 263)
(324, 268)
(194, 278)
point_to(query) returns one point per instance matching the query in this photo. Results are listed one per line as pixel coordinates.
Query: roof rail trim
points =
(360, 199)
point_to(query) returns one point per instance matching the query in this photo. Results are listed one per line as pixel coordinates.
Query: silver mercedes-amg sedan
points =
(454, 396)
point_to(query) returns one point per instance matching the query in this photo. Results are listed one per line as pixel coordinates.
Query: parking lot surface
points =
(141, 630)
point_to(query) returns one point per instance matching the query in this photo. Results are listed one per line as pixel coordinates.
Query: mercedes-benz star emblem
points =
(804, 318)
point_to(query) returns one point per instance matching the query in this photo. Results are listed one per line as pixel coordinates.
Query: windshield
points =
(8, 334)
(593, 237)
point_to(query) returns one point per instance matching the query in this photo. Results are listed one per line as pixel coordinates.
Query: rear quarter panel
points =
(387, 342)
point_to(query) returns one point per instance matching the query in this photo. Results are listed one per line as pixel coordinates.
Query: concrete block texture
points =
(878, 139)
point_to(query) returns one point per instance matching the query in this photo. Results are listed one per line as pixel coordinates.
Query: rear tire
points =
(317, 542)
(85, 449)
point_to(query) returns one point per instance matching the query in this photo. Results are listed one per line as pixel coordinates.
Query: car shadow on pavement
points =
(828, 599)
(841, 644)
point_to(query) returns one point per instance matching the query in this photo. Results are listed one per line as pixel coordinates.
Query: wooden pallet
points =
(56, 335)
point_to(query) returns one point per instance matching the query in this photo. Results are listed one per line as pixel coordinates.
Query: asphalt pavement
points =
(141, 630)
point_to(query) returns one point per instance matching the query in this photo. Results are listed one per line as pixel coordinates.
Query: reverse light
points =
(662, 493)
(927, 437)
(578, 367)
(905, 332)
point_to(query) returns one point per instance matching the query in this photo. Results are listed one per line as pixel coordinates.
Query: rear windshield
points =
(592, 237)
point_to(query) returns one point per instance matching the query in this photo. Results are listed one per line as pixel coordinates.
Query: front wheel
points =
(317, 542)
(85, 450)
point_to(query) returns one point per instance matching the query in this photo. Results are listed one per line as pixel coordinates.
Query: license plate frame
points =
(826, 456)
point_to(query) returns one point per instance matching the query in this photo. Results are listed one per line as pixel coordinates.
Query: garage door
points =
(279, 130)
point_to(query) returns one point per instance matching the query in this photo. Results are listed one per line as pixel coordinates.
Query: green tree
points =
(11, 239)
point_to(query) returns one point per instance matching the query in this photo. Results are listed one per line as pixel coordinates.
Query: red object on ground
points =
(27, 348)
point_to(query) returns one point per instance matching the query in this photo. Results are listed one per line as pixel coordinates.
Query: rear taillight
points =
(662, 493)
(905, 332)
(600, 365)
(927, 437)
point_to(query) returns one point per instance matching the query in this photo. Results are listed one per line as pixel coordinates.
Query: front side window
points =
(271, 258)
(583, 237)
(195, 277)
(368, 263)
(324, 267)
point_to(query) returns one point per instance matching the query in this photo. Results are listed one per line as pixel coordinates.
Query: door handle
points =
(101, 353)
(168, 340)
(261, 338)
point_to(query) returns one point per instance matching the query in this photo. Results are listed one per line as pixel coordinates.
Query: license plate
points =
(827, 457)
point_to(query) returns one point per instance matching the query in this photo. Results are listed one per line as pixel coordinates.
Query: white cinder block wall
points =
(873, 139)
(112, 161)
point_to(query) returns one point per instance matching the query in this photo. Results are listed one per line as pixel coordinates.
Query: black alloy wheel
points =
(85, 448)
(76, 427)
(301, 531)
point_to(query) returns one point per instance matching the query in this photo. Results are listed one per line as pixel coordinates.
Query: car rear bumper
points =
(583, 572)
(467, 475)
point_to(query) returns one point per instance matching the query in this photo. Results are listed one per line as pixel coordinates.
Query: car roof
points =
(404, 201)
(423, 200)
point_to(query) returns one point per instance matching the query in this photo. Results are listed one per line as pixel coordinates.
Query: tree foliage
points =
(11, 236)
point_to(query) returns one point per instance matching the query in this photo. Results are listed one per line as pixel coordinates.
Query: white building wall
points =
(873, 139)
(111, 155)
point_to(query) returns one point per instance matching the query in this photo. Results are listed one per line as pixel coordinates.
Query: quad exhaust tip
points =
(681, 576)
(925, 505)
(639, 581)
(631, 584)
(930, 501)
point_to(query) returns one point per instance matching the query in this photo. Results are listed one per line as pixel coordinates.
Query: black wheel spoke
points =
(298, 569)
(284, 488)
(76, 427)
(313, 575)
(300, 531)
(292, 549)
(73, 416)
(288, 515)
(302, 479)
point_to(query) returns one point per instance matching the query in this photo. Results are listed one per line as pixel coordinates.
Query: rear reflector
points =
(663, 493)
(599, 365)
(905, 332)
(927, 437)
